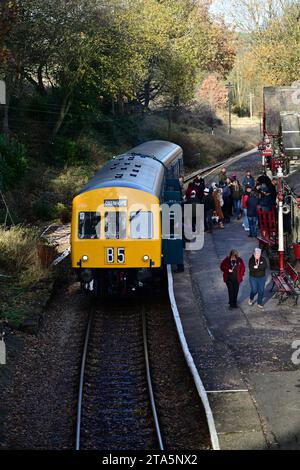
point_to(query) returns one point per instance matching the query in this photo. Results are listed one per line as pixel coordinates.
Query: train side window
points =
(89, 225)
(115, 225)
(141, 225)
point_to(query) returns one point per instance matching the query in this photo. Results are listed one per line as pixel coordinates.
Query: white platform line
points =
(227, 391)
(2, 352)
(190, 361)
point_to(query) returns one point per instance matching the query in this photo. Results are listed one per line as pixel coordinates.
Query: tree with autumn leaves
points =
(269, 47)
(125, 51)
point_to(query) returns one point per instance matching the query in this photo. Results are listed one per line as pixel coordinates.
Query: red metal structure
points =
(280, 151)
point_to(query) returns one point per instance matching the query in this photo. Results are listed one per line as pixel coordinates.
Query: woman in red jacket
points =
(233, 268)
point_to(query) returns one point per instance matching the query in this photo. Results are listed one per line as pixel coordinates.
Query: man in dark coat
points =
(252, 203)
(209, 207)
(248, 180)
(257, 277)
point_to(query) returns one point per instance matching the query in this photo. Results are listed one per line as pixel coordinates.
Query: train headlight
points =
(146, 258)
(85, 258)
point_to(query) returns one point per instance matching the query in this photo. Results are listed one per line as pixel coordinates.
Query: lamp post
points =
(251, 96)
(280, 221)
(229, 87)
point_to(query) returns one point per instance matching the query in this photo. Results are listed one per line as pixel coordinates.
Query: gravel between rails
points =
(38, 402)
(116, 412)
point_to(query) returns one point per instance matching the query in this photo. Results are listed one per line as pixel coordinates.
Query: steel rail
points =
(150, 388)
(149, 382)
(210, 169)
(81, 382)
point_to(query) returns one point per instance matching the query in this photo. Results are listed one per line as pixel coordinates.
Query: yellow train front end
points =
(116, 245)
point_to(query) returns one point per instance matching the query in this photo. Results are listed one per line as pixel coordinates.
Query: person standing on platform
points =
(199, 186)
(252, 203)
(233, 268)
(223, 175)
(227, 198)
(248, 180)
(194, 201)
(236, 192)
(218, 201)
(209, 207)
(266, 199)
(257, 277)
(244, 208)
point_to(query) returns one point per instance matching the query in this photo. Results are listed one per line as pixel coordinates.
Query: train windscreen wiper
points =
(134, 215)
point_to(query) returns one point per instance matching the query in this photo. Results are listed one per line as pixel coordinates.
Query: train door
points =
(172, 236)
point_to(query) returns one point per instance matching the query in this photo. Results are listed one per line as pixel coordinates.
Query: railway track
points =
(212, 168)
(136, 391)
(116, 404)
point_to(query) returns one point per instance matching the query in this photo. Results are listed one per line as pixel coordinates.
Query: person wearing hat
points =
(209, 207)
(233, 272)
(194, 200)
(257, 277)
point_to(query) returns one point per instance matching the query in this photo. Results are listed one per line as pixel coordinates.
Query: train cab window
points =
(115, 225)
(141, 225)
(89, 225)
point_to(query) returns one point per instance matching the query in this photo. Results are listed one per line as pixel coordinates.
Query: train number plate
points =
(115, 255)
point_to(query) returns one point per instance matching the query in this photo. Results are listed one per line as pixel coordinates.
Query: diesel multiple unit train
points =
(116, 236)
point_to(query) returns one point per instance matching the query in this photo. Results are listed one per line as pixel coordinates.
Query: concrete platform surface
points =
(244, 355)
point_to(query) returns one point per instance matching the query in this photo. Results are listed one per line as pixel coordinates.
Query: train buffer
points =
(287, 284)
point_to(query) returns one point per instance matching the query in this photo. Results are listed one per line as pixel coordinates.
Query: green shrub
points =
(63, 212)
(13, 162)
(43, 210)
(68, 183)
(63, 151)
(18, 248)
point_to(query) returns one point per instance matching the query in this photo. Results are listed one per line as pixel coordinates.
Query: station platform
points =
(244, 356)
